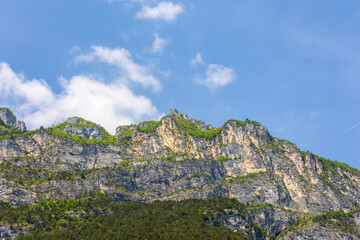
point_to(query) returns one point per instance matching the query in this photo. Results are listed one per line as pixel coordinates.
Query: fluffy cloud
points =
(197, 59)
(158, 44)
(121, 58)
(108, 104)
(217, 76)
(164, 10)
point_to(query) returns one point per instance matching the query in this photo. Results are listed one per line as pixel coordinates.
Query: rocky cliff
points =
(179, 158)
(9, 123)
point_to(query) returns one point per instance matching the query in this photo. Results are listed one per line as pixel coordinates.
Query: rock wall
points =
(173, 159)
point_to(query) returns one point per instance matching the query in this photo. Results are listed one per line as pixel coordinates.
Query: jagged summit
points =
(76, 120)
(175, 119)
(175, 113)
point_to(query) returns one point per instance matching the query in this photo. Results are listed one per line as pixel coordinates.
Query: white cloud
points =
(352, 127)
(217, 76)
(108, 104)
(158, 44)
(197, 60)
(74, 49)
(121, 58)
(164, 10)
(12, 85)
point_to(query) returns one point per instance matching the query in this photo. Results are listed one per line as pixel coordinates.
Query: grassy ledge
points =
(192, 128)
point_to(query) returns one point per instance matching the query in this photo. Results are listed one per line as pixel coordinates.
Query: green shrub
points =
(274, 146)
(243, 178)
(223, 158)
(332, 166)
(192, 128)
(126, 131)
(148, 126)
(242, 123)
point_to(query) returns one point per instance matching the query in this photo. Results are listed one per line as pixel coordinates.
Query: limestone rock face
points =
(175, 113)
(272, 220)
(178, 158)
(20, 125)
(14, 195)
(7, 232)
(8, 119)
(81, 127)
(320, 232)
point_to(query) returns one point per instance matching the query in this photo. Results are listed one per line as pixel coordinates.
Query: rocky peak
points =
(8, 119)
(199, 124)
(81, 127)
(175, 113)
(75, 120)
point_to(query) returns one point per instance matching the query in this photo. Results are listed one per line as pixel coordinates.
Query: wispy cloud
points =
(352, 127)
(158, 44)
(121, 58)
(109, 104)
(197, 59)
(217, 76)
(166, 11)
(74, 49)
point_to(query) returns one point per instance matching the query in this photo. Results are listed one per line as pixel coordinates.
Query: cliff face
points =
(9, 123)
(175, 158)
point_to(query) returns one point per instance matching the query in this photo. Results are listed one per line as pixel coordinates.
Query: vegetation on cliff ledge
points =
(148, 126)
(191, 127)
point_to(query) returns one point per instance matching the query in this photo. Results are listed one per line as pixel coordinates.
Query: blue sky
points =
(291, 65)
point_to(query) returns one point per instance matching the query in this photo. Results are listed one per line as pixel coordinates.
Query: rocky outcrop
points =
(318, 232)
(20, 125)
(175, 113)
(331, 225)
(8, 119)
(7, 232)
(173, 159)
(81, 127)
(255, 221)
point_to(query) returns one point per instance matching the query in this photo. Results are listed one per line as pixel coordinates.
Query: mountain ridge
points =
(176, 158)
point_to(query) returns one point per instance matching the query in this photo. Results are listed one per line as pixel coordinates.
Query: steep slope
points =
(175, 158)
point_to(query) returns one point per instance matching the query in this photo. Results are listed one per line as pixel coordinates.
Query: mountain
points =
(265, 187)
